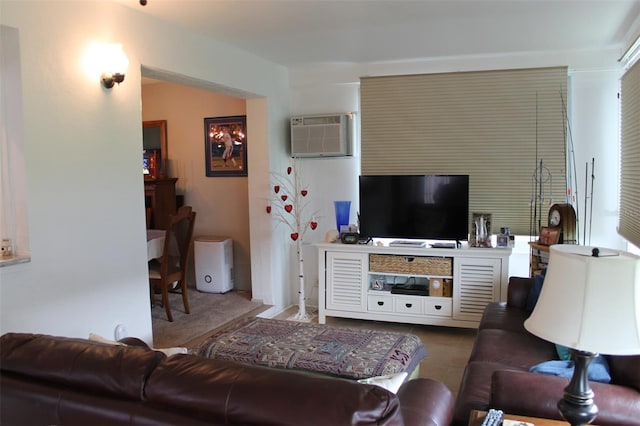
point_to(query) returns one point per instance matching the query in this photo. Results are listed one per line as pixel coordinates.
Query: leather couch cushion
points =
(527, 393)
(498, 316)
(517, 350)
(476, 382)
(426, 402)
(625, 370)
(94, 367)
(518, 291)
(233, 393)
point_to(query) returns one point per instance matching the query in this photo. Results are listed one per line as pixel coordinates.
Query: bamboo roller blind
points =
(495, 126)
(629, 218)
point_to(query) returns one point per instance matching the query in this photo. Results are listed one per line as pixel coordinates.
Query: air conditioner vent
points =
(320, 136)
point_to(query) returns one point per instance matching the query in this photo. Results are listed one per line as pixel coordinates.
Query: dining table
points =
(155, 243)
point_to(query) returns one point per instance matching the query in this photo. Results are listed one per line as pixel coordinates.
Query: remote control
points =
(493, 418)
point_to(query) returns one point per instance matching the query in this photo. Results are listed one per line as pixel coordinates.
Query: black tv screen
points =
(422, 207)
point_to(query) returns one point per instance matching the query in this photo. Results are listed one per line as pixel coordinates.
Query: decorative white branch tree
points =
(287, 205)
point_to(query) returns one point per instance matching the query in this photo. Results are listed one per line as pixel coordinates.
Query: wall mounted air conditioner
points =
(321, 135)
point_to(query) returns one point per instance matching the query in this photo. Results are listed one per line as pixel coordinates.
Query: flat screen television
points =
(424, 207)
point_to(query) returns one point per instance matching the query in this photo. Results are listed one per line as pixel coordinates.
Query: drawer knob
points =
(438, 307)
(380, 303)
(408, 305)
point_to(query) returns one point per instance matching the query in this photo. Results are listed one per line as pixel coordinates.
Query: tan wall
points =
(221, 203)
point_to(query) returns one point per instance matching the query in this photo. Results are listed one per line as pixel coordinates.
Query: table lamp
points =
(590, 302)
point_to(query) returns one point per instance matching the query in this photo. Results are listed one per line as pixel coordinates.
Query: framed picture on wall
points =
(225, 146)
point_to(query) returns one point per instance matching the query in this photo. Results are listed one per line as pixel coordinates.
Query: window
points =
(496, 126)
(13, 187)
(629, 219)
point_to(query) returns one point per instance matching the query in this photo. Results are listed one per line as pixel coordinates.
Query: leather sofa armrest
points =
(537, 395)
(79, 363)
(425, 402)
(527, 394)
(517, 291)
(134, 341)
(232, 393)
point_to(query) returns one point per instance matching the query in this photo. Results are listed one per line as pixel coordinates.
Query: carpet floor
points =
(209, 311)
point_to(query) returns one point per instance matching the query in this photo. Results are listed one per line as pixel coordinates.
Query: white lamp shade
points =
(115, 60)
(590, 303)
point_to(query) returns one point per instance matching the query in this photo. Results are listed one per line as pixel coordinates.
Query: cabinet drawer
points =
(408, 305)
(441, 306)
(411, 265)
(380, 303)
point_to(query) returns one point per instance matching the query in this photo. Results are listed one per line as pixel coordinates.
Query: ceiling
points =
(302, 32)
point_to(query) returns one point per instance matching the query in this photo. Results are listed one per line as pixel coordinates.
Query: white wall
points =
(329, 179)
(593, 113)
(82, 145)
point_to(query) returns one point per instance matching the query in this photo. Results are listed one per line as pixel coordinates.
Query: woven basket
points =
(411, 265)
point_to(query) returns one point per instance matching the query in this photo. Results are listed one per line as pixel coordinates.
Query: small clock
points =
(563, 217)
(349, 238)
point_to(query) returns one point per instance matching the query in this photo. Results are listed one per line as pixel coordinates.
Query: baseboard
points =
(272, 312)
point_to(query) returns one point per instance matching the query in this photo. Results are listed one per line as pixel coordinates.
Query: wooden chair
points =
(147, 212)
(170, 274)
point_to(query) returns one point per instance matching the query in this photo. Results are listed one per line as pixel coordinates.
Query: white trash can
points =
(213, 258)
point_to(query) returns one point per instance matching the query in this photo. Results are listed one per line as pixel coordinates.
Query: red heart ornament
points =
(284, 197)
(294, 236)
(289, 170)
(313, 225)
(268, 209)
(288, 208)
(276, 188)
(304, 192)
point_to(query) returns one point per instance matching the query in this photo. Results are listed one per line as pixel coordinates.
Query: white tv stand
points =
(350, 276)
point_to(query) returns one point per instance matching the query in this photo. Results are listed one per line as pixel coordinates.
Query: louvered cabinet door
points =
(476, 283)
(346, 281)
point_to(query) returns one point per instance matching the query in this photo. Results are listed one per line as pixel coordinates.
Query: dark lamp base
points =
(577, 406)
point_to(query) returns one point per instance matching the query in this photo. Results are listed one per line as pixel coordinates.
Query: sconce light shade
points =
(117, 63)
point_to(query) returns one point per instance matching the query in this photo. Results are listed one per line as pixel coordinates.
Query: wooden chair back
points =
(172, 274)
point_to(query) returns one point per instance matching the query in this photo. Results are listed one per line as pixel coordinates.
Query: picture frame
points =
(154, 149)
(549, 236)
(225, 142)
(480, 235)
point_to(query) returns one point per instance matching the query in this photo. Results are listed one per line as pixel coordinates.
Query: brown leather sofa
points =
(497, 374)
(68, 381)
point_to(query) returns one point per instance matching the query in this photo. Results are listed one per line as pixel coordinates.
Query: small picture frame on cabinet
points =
(502, 240)
(549, 236)
(480, 235)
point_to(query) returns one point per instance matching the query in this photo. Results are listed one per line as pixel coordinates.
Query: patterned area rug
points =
(345, 352)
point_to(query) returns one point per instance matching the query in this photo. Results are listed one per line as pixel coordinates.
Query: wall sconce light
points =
(117, 63)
